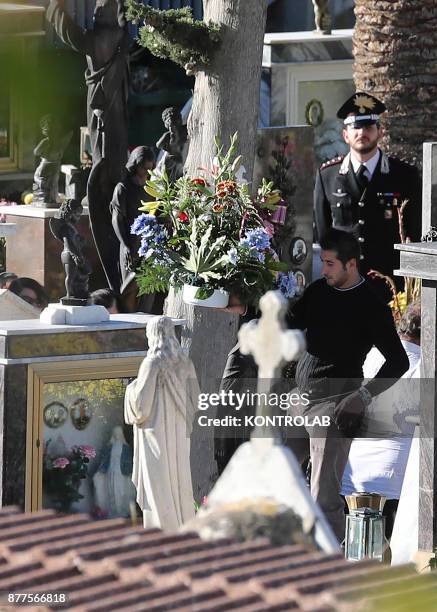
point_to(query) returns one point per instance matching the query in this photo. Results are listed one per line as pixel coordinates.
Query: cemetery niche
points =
(79, 449)
(63, 391)
(87, 458)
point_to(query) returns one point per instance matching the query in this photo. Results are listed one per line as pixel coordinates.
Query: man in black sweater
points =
(343, 319)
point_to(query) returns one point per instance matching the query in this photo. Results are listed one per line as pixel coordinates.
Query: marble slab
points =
(7, 229)
(120, 321)
(35, 211)
(298, 47)
(29, 340)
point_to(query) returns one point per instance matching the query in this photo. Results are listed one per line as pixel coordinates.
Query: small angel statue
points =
(50, 149)
(322, 16)
(76, 267)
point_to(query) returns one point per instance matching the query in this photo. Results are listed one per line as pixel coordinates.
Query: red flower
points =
(219, 207)
(225, 188)
(183, 217)
(198, 181)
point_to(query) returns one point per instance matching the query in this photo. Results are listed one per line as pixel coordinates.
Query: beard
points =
(365, 147)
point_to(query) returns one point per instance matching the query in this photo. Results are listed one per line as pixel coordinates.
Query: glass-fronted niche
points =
(79, 450)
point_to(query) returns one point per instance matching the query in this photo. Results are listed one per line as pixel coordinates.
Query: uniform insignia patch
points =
(331, 162)
(364, 103)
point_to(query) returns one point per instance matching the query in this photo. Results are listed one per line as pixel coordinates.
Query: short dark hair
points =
(409, 325)
(343, 243)
(24, 282)
(139, 156)
(104, 297)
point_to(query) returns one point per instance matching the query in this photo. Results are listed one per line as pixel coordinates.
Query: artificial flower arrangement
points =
(209, 236)
(62, 475)
(412, 286)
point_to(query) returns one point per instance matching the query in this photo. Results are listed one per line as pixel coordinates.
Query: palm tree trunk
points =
(395, 50)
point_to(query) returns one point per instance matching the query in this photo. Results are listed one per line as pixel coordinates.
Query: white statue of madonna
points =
(160, 404)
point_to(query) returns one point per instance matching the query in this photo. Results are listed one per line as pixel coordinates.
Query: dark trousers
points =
(240, 375)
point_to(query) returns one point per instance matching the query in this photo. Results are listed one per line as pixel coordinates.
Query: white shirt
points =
(370, 164)
(377, 465)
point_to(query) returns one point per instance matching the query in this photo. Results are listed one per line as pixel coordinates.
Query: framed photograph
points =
(298, 250)
(84, 464)
(314, 113)
(301, 281)
(55, 415)
(80, 413)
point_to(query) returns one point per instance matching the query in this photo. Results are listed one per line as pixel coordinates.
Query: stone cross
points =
(270, 344)
(419, 260)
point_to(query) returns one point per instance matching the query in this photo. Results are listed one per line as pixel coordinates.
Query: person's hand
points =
(349, 413)
(127, 260)
(235, 306)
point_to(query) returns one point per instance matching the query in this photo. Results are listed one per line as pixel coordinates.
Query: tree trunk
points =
(226, 100)
(395, 50)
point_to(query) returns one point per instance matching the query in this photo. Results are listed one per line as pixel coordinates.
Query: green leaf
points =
(277, 266)
(151, 191)
(203, 293)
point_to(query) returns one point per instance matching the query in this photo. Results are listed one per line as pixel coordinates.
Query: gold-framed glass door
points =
(79, 451)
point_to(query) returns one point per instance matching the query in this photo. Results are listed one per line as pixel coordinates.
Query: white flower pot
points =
(219, 299)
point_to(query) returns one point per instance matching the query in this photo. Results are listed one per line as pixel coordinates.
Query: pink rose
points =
(87, 451)
(61, 463)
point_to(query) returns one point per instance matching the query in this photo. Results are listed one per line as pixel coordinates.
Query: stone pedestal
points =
(40, 363)
(419, 260)
(34, 252)
(61, 314)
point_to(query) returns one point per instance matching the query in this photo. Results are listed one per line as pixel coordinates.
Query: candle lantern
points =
(365, 528)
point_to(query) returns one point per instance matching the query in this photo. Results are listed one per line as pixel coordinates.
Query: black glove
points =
(349, 413)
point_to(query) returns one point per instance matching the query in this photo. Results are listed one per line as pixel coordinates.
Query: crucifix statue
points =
(105, 47)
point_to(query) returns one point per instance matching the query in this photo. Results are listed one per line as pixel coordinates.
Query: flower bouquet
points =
(62, 475)
(207, 235)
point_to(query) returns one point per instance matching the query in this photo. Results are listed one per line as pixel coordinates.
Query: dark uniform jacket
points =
(372, 215)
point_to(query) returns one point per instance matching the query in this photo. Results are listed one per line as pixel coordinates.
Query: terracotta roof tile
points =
(108, 565)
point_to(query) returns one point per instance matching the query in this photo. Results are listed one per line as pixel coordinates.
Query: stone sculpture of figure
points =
(174, 143)
(160, 404)
(106, 49)
(113, 487)
(322, 16)
(126, 200)
(50, 149)
(76, 267)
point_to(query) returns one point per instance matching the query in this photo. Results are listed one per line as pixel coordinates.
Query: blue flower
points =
(256, 242)
(144, 248)
(142, 224)
(286, 283)
(256, 239)
(233, 256)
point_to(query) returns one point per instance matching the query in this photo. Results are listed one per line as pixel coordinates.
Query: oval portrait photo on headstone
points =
(301, 281)
(298, 250)
(81, 413)
(55, 415)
